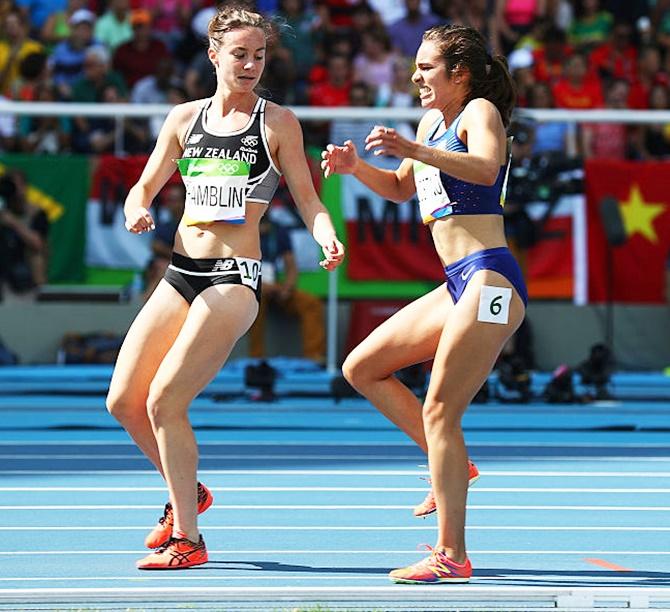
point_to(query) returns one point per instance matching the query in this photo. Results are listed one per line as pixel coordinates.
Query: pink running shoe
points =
(434, 569)
(427, 506)
(162, 532)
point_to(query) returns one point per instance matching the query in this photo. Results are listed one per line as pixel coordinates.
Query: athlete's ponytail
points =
(497, 86)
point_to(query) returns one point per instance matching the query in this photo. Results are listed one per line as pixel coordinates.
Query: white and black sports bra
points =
(248, 145)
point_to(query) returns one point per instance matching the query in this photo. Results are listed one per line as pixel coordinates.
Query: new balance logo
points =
(249, 141)
(223, 265)
(194, 139)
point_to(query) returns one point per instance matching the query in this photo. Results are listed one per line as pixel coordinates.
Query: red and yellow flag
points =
(637, 268)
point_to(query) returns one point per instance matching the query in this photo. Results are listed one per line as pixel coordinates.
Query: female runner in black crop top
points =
(189, 325)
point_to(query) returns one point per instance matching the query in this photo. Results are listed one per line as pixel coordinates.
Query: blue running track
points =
(313, 501)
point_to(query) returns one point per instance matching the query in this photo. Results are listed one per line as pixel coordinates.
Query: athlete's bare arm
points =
(159, 168)
(286, 134)
(485, 138)
(394, 185)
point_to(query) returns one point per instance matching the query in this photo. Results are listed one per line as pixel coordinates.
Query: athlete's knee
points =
(121, 405)
(360, 370)
(161, 407)
(441, 415)
(353, 370)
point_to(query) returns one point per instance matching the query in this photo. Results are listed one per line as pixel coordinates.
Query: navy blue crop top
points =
(441, 195)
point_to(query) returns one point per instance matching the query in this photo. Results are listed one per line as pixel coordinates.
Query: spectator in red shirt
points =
(649, 73)
(578, 89)
(617, 58)
(139, 57)
(334, 91)
(608, 140)
(548, 59)
(337, 14)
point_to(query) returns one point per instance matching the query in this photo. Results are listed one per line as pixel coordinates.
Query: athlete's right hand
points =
(339, 160)
(139, 220)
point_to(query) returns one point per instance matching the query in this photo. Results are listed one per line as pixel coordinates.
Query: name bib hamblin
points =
(215, 189)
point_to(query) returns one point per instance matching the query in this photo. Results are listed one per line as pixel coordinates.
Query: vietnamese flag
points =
(642, 191)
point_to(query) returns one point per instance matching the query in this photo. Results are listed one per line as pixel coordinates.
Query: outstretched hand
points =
(339, 160)
(139, 221)
(387, 141)
(334, 252)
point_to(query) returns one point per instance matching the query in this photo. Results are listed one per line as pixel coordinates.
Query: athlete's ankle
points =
(191, 536)
(453, 554)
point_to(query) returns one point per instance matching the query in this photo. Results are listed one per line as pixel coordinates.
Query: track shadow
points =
(275, 566)
(503, 576)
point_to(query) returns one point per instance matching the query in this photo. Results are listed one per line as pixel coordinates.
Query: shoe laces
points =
(426, 561)
(167, 514)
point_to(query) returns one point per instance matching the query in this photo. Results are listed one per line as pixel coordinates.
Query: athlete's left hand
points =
(387, 141)
(334, 252)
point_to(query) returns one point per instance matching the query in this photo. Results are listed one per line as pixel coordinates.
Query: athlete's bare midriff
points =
(458, 236)
(220, 239)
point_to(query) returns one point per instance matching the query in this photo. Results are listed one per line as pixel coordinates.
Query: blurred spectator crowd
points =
(573, 54)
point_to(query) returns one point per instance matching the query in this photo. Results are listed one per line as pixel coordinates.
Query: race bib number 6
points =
(494, 304)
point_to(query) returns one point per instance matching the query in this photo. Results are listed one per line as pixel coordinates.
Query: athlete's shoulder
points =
(186, 110)
(278, 117)
(428, 120)
(478, 108)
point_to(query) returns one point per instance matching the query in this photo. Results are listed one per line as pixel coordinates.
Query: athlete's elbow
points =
(489, 176)
(401, 195)
(398, 198)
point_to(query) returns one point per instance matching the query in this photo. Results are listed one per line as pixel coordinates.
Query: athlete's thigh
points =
(410, 336)
(218, 317)
(148, 340)
(468, 347)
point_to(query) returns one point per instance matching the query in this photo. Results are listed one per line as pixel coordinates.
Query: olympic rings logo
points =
(232, 167)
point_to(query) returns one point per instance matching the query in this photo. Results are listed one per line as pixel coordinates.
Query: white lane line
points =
(365, 443)
(70, 457)
(27, 553)
(263, 507)
(112, 472)
(122, 441)
(475, 490)
(568, 474)
(341, 472)
(361, 472)
(353, 574)
(343, 528)
(227, 577)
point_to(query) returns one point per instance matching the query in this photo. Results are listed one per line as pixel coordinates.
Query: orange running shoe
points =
(205, 497)
(437, 568)
(163, 530)
(177, 553)
(428, 506)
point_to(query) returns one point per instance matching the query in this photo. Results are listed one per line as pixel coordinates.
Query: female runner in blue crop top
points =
(457, 167)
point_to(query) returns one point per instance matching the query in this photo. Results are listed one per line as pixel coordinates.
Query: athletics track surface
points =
(313, 501)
